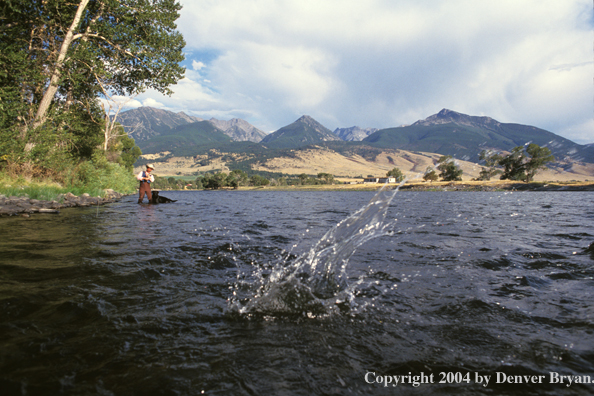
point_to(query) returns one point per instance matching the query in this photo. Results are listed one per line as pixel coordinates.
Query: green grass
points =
(88, 177)
(45, 193)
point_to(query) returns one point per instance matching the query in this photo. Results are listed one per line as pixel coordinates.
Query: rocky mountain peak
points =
(145, 122)
(239, 130)
(354, 133)
(189, 118)
(316, 126)
(305, 119)
(312, 123)
(446, 116)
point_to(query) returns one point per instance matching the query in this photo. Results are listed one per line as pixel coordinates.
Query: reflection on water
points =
(134, 299)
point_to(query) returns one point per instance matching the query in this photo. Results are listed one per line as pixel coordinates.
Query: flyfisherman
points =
(145, 179)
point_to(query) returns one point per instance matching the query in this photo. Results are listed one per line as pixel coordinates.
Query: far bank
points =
(498, 185)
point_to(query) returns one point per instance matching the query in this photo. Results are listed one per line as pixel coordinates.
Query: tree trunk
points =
(51, 90)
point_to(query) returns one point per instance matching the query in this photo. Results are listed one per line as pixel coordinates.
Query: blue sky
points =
(385, 63)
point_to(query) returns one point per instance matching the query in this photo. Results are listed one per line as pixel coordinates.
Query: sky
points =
(386, 63)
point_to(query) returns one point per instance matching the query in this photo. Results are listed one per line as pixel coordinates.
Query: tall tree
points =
(513, 165)
(327, 177)
(448, 168)
(520, 165)
(57, 53)
(539, 158)
(430, 174)
(396, 173)
(491, 163)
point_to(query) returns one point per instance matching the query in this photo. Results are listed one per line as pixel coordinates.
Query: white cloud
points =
(301, 76)
(197, 65)
(119, 103)
(150, 102)
(381, 63)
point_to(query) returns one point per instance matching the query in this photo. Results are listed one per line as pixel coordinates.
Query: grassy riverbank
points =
(86, 179)
(35, 188)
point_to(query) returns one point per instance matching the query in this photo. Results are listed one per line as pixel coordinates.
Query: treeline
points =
(238, 178)
(522, 164)
(64, 66)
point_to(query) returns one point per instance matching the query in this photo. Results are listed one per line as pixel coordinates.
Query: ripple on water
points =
(130, 300)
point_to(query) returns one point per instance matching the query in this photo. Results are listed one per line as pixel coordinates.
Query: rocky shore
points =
(23, 206)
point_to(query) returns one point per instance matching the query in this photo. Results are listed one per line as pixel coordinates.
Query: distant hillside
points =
(464, 137)
(354, 133)
(145, 123)
(185, 139)
(239, 130)
(303, 132)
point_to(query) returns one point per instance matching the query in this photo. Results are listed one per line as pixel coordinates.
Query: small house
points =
(371, 180)
(387, 180)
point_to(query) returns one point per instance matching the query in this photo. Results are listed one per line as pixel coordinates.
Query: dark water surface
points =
(214, 295)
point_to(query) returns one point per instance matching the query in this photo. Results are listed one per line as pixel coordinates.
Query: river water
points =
(302, 293)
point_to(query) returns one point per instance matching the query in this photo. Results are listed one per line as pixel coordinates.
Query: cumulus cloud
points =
(381, 63)
(150, 102)
(117, 103)
(197, 65)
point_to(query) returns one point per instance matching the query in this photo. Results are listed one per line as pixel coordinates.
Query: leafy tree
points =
(519, 166)
(240, 178)
(430, 174)
(327, 177)
(539, 157)
(396, 173)
(258, 180)
(513, 165)
(124, 151)
(129, 152)
(57, 58)
(198, 183)
(491, 163)
(448, 168)
(206, 181)
(217, 180)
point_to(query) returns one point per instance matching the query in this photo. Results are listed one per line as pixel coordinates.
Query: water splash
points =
(316, 283)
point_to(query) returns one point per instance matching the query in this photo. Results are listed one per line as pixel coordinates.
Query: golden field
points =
(352, 168)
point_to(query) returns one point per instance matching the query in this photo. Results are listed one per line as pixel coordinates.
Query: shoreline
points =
(486, 186)
(24, 206)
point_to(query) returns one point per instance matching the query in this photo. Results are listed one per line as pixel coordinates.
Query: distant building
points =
(379, 180)
(387, 180)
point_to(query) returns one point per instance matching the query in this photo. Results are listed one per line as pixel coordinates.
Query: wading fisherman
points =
(145, 179)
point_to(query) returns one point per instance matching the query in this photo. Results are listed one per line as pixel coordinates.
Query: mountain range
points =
(242, 145)
(145, 123)
(464, 137)
(354, 133)
(303, 132)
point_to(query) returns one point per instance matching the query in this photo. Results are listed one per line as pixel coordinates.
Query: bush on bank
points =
(92, 176)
